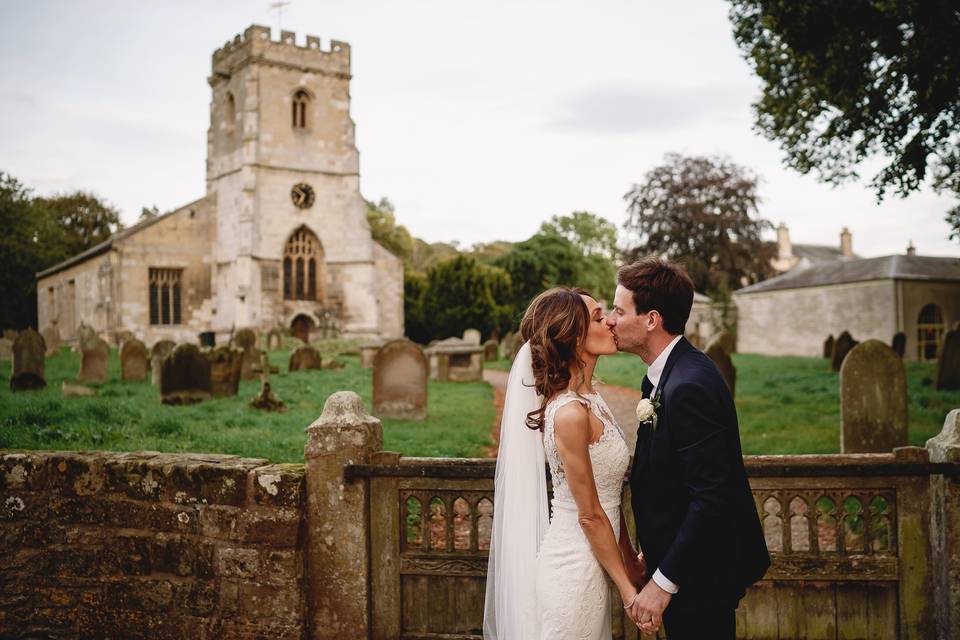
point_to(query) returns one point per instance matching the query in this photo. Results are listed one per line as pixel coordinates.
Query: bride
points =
(551, 580)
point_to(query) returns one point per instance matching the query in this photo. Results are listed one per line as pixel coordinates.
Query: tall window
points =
(230, 114)
(302, 262)
(165, 296)
(929, 332)
(300, 101)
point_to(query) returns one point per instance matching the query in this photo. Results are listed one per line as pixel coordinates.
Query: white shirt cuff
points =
(664, 583)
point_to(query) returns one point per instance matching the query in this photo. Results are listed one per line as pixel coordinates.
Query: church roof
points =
(117, 236)
(896, 267)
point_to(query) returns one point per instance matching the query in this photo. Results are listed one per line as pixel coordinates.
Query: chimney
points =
(784, 248)
(911, 250)
(846, 243)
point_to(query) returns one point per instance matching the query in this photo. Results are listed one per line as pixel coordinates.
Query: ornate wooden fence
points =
(849, 536)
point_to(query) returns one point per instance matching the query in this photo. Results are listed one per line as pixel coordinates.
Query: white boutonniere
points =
(647, 411)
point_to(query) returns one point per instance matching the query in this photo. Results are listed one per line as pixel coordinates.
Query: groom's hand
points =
(648, 608)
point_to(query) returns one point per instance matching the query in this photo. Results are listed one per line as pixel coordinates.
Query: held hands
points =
(647, 607)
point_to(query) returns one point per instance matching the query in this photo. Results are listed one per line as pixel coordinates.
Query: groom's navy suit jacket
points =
(695, 516)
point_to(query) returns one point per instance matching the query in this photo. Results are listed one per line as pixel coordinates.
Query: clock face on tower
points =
(302, 195)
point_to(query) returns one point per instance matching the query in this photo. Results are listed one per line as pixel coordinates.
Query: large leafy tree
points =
(701, 211)
(460, 294)
(595, 238)
(81, 220)
(544, 260)
(844, 82)
(384, 228)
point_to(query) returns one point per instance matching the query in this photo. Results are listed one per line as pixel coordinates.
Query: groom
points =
(696, 521)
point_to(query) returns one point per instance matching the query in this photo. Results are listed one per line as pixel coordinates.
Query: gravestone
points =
(51, 338)
(133, 361)
(722, 359)
(873, 400)
(506, 343)
(899, 343)
(6, 349)
(948, 363)
(841, 348)
(266, 400)
(161, 349)
(828, 347)
(28, 361)
(93, 362)
(10, 334)
(186, 376)
(225, 364)
(245, 339)
(516, 343)
(471, 336)
(85, 336)
(368, 351)
(491, 350)
(123, 336)
(304, 358)
(725, 340)
(274, 340)
(453, 360)
(400, 372)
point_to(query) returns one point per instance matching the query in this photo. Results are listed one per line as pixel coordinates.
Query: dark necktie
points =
(646, 387)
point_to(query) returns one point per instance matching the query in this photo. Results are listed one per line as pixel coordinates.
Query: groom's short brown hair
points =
(659, 284)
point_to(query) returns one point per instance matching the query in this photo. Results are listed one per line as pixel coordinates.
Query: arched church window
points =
(300, 101)
(930, 328)
(230, 114)
(164, 295)
(302, 266)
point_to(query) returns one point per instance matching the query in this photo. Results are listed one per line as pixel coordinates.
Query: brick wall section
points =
(150, 545)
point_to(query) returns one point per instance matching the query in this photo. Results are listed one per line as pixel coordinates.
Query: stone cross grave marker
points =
(161, 349)
(133, 361)
(400, 372)
(873, 399)
(304, 358)
(948, 363)
(28, 361)
(93, 361)
(186, 376)
(841, 348)
(266, 400)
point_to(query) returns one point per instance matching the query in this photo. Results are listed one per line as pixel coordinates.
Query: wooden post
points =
(338, 557)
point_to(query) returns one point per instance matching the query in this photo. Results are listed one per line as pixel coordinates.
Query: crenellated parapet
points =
(256, 45)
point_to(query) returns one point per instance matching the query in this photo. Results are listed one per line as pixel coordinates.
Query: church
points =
(279, 240)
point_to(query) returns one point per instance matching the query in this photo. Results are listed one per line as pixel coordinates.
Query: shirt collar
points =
(656, 368)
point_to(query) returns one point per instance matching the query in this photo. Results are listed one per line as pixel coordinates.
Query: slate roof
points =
(816, 253)
(896, 267)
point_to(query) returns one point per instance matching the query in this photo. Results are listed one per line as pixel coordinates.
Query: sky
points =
(478, 120)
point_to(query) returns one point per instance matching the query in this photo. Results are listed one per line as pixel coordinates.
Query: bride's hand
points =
(628, 602)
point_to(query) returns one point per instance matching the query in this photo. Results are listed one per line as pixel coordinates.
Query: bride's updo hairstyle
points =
(555, 324)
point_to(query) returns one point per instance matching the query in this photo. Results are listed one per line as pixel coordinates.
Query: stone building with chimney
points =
(823, 291)
(279, 239)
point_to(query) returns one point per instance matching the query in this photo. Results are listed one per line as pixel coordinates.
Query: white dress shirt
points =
(653, 374)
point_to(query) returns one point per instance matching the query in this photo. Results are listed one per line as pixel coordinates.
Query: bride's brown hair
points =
(555, 324)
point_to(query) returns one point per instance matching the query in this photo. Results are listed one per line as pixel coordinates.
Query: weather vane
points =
(278, 6)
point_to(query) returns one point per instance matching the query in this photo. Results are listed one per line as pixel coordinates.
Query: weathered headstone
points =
(51, 338)
(491, 350)
(471, 336)
(133, 361)
(10, 334)
(453, 360)
(225, 364)
(249, 361)
(186, 376)
(304, 358)
(899, 343)
(274, 340)
(948, 363)
(516, 343)
(161, 349)
(93, 362)
(6, 349)
(368, 351)
(245, 339)
(841, 348)
(266, 400)
(122, 336)
(828, 347)
(873, 399)
(722, 359)
(28, 361)
(400, 381)
(85, 336)
(506, 343)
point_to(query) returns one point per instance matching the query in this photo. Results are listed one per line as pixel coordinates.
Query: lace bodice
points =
(609, 456)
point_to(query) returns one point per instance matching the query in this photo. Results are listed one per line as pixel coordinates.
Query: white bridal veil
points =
(520, 513)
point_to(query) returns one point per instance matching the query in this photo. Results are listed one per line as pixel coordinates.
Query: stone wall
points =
(914, 295)
(149, 545)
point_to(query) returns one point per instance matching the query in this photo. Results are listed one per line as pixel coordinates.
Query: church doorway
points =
(930, 328)
(301, 327)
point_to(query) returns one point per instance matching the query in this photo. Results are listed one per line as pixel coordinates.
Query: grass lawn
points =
(129, 416)
(792, 405)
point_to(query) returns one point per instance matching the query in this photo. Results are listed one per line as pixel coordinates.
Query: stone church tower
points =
(292, 238)
(279, 239)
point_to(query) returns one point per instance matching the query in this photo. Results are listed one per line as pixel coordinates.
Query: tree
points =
(79, 221)
(542, 261)
(385, 230)
(595, 238)
(414, 320)
(21, 255)
(462, 294)
(701, 211)
(848, 81)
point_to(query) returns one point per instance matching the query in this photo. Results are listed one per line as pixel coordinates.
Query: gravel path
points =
(622, 401)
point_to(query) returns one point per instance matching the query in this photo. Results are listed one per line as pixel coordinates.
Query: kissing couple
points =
(550, 569)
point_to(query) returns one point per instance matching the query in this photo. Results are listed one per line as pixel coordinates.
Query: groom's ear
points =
(654, 320)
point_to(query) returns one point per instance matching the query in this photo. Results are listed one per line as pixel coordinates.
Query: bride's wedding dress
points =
(573, 591)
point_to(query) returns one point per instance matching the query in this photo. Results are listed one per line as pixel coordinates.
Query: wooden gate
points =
(848, 535)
